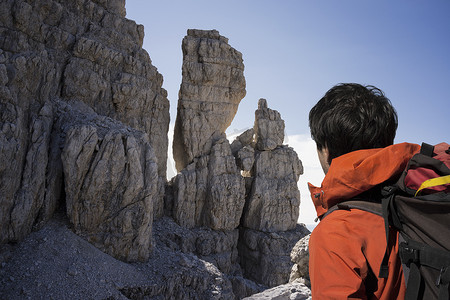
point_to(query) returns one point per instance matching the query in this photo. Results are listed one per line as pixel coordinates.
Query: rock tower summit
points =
(212, 87)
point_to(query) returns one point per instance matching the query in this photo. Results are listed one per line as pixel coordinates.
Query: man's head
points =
(352, 117)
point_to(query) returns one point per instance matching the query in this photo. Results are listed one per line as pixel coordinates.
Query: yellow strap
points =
(433, 182)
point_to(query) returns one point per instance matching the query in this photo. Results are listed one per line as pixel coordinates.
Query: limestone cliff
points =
(82, 51)
(213, 84)
(85, 208)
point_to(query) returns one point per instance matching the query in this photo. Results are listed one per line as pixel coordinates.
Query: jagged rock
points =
(122, 86)
(265, 257)
(244, 139)
(210, 191)
(269, 127)
(26, 119)
(216, 247)
(296, 290)
(71, 50)
(82, 109)
(274, 201)
(246, 158)
(110, 175)
(243, 287)
(212, 86)
(300, 258)
(23, 168)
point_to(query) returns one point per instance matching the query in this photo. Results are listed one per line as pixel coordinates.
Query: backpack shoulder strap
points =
(427, 149)
(369, 206)
(372, 207)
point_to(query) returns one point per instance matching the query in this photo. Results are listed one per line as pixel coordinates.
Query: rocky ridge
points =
(85, 208)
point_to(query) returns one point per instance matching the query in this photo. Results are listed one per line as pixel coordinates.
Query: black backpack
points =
(418, 207)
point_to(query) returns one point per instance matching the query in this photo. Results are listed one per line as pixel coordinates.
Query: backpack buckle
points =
(409, 254)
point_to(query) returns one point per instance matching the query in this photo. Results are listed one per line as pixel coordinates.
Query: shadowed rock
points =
(111, 178)
(72, 51)
(265, 257)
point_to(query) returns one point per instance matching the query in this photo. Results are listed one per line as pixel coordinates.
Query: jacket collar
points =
(356, 172)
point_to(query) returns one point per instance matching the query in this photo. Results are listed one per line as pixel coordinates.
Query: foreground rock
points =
(73, 51)
(111, 179)
(296, 290)
(54, 263)
(300, 257)
(213, 84)
(265, 257)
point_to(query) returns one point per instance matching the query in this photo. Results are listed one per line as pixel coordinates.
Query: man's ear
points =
(324, 154)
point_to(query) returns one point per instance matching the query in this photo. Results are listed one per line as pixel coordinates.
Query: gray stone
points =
(296, 290)
(265, 257)
(243, 287)
(269, 127)
(216, 247)
(73, 51)
(246, 158)
(28, 182)
(212, 86)
(300, 258)
(210, 191)
(273, 204)
(111, 178)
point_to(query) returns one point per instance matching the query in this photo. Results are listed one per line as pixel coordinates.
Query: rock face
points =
(265, 257)
(269, 222)
(73, 51)
(300, 257)
(274, 199)
(212, 87)
(111, 177)
(210, 194)
(269, 127)
(83, 150)
(210, 191)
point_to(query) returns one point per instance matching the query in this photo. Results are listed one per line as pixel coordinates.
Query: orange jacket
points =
(347, 247)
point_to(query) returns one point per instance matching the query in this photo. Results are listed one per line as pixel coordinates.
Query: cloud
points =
(312, 172)
(171, 169)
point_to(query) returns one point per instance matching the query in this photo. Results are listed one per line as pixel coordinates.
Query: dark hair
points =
(352, 117)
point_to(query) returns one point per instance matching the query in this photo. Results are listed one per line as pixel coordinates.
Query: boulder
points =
(111, 178)
(296, 290)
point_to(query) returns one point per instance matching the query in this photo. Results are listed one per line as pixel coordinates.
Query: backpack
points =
(418, 207)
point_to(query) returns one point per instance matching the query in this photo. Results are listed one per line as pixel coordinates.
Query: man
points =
(354, 128)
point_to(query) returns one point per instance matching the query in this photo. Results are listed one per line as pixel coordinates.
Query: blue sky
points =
(295, 50)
